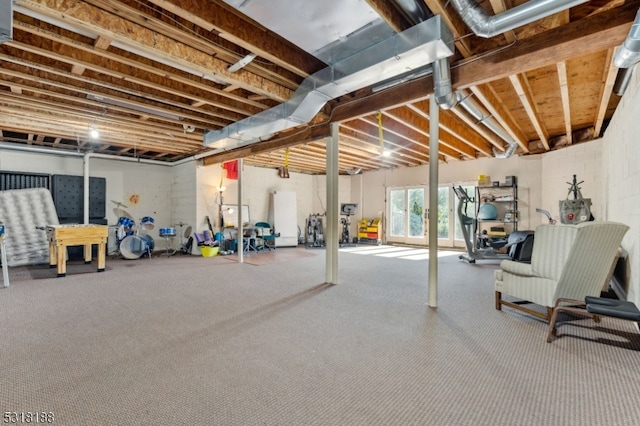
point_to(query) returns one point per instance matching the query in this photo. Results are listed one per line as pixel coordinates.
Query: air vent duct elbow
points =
(511, 149)
(487, 26)
(629, 53)
(442, 89)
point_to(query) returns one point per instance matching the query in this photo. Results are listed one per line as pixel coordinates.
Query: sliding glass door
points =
(407, 215)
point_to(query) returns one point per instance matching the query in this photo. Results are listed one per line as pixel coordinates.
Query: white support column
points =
(332, 206)
(434, 124)
(5, 267)
(240, 234)
(85, 180)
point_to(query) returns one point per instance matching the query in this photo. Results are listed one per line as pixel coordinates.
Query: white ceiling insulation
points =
(318, 24)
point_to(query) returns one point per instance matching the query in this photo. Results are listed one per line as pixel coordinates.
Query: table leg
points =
(102, 254)
(87, 254)
(52, 255)
(62, 260)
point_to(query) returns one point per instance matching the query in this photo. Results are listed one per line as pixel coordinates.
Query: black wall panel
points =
(68, 197)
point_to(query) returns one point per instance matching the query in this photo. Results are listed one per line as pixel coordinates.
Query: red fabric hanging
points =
(232, 169)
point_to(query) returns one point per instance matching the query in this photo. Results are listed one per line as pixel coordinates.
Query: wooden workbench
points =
(62, 236)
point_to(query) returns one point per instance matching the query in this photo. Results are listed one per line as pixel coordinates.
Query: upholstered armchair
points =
(568, 261)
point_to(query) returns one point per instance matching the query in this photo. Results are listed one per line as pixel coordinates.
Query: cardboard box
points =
(484, 180)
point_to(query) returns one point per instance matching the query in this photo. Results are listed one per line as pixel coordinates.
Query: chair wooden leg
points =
(498, 300)
(552, 324)
(569, 308)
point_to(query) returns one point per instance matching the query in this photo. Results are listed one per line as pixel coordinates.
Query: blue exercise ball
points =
(487, 211)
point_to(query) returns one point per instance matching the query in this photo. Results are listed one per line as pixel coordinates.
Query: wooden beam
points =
(608, 79)
(524, 92)
(310, 134)
(419, 122)
(459, 129)
(561, 67)
(186, 33)
(589, 35)
(152, 45)
(389, 14)
(602, 31)
(120, 67)
(217, 16)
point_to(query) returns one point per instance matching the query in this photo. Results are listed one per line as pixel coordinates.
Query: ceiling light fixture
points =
(93, 132)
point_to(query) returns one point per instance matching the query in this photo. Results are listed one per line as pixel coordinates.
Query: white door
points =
(446, 216)
(407, 213)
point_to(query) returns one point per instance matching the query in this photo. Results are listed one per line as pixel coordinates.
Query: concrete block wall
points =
(621, 178)
(558, 167)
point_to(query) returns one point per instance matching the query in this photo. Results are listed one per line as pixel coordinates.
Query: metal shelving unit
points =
(490, 232)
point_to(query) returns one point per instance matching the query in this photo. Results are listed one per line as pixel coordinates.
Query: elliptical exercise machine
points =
(519, 244)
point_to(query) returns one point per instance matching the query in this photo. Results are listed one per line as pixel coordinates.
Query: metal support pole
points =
(240, 234)
(85, 206)
(332, 206)
(5, 267)
(433, 200)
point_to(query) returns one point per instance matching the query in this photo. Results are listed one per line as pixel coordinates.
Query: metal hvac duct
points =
(446, 99)
(629, 53)
(487, 26)
(489, 122)
(6, 21)
(419, 45)
(626, 56)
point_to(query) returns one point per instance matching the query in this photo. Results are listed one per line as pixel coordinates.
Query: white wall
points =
(558, 167)
(621, 178)
(257, 184)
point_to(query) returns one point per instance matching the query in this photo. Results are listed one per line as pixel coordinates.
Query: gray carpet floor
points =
(188, 340)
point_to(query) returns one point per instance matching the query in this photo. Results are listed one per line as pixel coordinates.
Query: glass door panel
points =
(407, 222)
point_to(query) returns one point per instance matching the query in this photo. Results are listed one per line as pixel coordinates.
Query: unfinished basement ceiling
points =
(153, 77)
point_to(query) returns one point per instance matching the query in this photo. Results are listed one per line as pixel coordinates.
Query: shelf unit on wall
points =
(505, 199)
